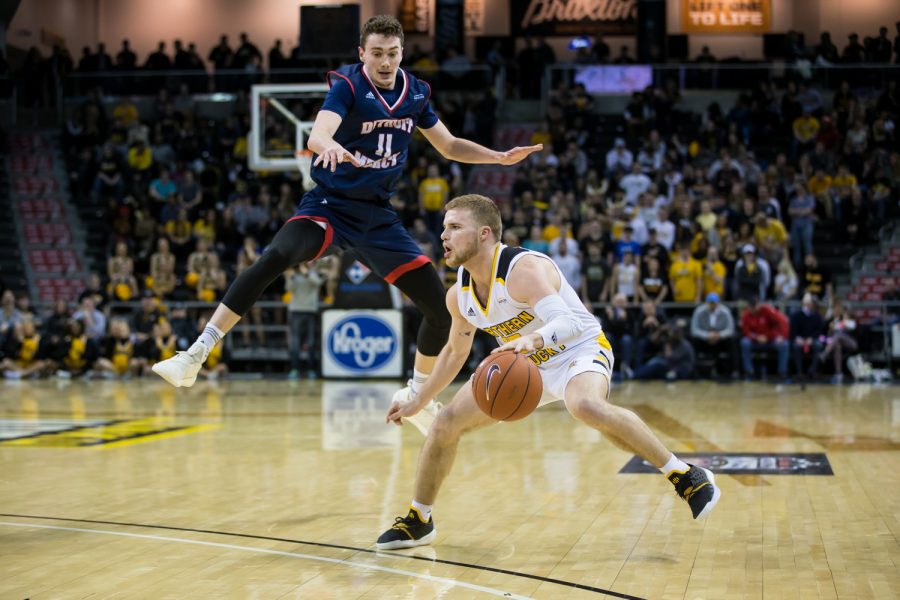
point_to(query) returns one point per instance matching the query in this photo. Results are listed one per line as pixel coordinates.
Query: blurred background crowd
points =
(707, 242)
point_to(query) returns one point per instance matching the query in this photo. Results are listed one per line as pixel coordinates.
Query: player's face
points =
(381, 58)
(460, 237)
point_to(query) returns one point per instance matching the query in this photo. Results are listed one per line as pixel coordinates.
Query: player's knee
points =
(445, 428)
(431, 338)
(434, 330)
(596, 411)
(438, 315)
(275, 258)
(424, 288)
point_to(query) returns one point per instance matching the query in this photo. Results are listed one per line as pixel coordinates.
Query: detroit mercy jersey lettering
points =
(507, 319)
(376, 127)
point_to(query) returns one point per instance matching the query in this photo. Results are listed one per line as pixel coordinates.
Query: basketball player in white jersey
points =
(520, 297)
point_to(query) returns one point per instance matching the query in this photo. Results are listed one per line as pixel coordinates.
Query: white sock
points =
(211, 336)
(424, 510)
(674, 464)
(417, 380)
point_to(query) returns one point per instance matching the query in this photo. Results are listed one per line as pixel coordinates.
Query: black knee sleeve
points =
(424, 288)
(296, 242)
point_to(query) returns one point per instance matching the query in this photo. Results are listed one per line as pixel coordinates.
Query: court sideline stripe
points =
(252, 536)
(337, 561)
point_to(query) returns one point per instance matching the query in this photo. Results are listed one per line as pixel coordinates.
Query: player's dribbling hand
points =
(518, 154)
(334, 155)
(403, 405)
(526, 343)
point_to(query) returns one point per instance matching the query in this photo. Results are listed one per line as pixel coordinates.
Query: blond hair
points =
(482, 208)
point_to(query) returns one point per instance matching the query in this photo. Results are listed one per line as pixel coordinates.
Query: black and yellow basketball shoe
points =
(407, 532)
(696, 486)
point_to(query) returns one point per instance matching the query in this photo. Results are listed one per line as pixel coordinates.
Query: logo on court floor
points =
(362, 342)
(745, 463)
(62, 433)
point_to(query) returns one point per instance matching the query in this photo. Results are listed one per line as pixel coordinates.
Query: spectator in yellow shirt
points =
(842, 186)
(713, 273)
(806, 128)
(771, 237)
(125, 116)
(685, 275)
(205, 227)
(433, 193)
(140, 158)
(819, 184)
(542, 135)
(552, 229)
(707, 218)
(179, 231)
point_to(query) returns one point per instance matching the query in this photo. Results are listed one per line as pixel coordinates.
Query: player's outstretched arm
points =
(461, 150)
(535, 281)
(321, 141)
(447, 366)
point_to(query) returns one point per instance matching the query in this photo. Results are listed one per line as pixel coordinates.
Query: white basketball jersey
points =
(507, 319)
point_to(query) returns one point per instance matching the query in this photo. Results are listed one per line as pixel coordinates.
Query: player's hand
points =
(334, 155)
(404, 404)
(518, 154)
(526, 343)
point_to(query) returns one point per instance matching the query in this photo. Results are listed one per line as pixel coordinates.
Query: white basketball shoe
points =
(181, 370)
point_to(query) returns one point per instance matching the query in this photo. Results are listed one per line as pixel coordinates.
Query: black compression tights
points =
(296, 242)
(424, 288)
(301, 240)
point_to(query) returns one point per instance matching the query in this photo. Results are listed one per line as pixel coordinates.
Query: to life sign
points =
(726, 16)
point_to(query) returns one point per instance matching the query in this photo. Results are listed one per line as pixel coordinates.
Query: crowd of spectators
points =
(724, 207)
(228, 67)
(655, 207)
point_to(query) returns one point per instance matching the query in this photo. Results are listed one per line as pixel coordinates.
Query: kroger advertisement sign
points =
(362, 343)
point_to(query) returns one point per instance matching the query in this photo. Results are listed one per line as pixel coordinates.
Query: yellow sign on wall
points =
(726, 16)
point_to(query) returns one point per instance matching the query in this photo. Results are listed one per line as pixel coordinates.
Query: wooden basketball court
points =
(271, 489)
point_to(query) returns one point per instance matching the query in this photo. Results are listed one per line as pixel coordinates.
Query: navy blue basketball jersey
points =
(377, 128)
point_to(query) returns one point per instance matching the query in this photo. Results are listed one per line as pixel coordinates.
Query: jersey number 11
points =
(384, 144)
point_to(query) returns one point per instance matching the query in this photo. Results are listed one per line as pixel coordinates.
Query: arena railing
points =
(704, 77)
(881, 348)
(880, 326)
(453, 79)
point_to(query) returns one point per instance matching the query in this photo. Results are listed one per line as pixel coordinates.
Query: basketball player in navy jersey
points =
(360, 140)
(521, 297)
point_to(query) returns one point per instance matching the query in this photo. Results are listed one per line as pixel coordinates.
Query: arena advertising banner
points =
(362, 343)
(726, 16)
(573, 17)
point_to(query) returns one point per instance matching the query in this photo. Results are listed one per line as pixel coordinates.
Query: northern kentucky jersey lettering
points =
(377, 126)
(506, 319)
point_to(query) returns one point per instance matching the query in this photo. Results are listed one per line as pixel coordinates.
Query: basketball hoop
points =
(304, 163)
(293, 107)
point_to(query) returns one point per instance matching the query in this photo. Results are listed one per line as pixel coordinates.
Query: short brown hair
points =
(385, 25)
(482, 208)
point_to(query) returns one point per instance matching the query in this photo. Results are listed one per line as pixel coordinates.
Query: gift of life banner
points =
(726, 16)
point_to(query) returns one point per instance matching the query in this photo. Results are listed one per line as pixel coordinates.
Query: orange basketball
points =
(507, 386)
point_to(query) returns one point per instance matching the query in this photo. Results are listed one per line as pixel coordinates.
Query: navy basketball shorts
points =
(371, 228)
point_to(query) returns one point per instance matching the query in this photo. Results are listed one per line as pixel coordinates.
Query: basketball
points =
(507, 386)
